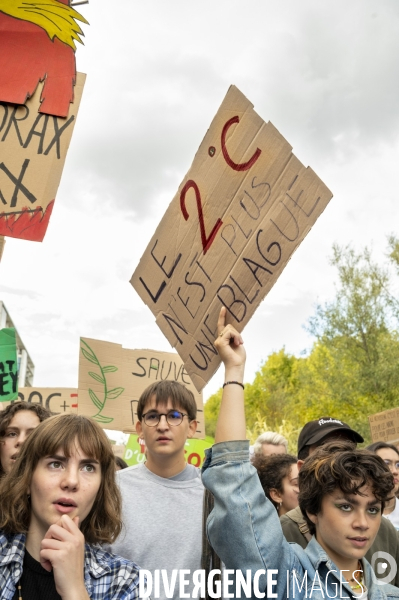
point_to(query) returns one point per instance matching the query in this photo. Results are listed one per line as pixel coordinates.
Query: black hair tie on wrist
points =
(236, 382)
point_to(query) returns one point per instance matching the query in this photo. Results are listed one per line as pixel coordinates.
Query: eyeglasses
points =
(390, 464)
(173, 418)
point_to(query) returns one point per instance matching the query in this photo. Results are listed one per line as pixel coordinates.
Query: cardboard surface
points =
(194, 451)
(56, 400)
(119, 450)
(33, 148)
(112, 379)
(37, 43)
(2, 244)
(243, 208)
(8, 365)
(384, 426)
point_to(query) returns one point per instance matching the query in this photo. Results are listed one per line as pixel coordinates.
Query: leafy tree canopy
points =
(351, 371)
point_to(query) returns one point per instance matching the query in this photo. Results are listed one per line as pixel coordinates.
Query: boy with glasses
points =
(162, 498)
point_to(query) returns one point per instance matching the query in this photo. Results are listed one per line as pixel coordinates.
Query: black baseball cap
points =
(314, 431)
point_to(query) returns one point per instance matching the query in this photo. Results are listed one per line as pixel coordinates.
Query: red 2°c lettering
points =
(237, 166)
(206, 241)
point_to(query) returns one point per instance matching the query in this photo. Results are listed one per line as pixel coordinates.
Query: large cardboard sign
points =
(112, 378)
(119, 450)
(33, 148)
(243, 208)
(8, 365)
(384, 426)
(57, 400)
(194, 450)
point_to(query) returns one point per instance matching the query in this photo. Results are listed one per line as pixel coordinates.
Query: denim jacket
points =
(245, 531)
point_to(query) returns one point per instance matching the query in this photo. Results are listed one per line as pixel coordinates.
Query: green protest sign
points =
(8, 365)
(194, 450)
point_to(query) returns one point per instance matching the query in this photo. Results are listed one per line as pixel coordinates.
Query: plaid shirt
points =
(107, 577)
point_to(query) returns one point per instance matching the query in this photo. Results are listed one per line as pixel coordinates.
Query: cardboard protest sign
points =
(243, 208)
(194, 450)
(119, 450)
(384, 426)
(112, 378)
(2, 244)
(33, 148)
(37, 43)
(56, 400)
(8, 365)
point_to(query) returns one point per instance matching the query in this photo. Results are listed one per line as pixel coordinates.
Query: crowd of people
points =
(75, 523)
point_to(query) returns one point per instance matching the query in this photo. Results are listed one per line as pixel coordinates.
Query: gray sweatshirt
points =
(162, 522)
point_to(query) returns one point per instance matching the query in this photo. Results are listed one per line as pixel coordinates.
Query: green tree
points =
(360, 322)
(353, 365)
(288, 429)
(351, 371)
(211, 412)
(271, 390)
(393, 247)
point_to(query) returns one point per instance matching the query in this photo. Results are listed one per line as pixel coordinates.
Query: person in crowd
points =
(342, 494)
(295, 527)
(162, 498)
(120, 464)
(269, 443)
(390, 455)
(278, 475)
(313, 435)
(17, 421)
(59, 501)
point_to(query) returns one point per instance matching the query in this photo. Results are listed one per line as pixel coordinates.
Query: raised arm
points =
(231, 421)
(243, 527)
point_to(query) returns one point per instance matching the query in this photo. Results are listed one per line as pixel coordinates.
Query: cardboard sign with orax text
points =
(243, 208)
(33, 148)
(112, 379)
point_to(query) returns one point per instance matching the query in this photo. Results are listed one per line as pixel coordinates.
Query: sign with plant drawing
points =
(112, 379)
(100, 375)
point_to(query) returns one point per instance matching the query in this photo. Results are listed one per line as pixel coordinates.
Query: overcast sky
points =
(324, 73)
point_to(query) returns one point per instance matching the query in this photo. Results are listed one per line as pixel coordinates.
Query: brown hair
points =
(103, 523)
(119, 462)
(272, 470)
(381, 446)
(180, 397)
(340, 465)
(7, 415)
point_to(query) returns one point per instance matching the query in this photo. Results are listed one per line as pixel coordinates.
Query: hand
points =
(231, 421)
(62, 550)
(229, 345)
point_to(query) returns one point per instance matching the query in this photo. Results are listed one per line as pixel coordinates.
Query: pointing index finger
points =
(222, 320)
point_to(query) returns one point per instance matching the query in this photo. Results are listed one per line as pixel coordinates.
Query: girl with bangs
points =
(58, 503)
